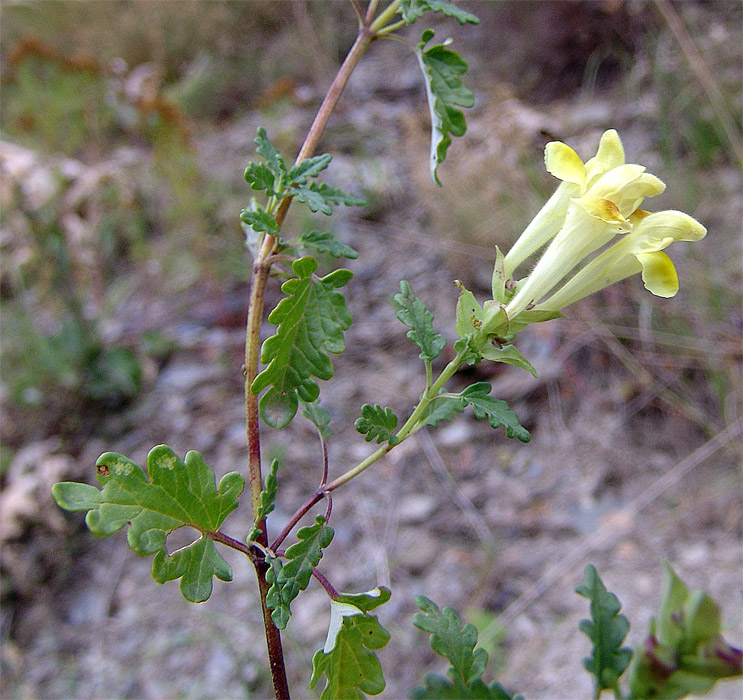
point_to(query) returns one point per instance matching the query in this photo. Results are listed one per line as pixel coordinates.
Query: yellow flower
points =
(639, 251)
(565, 164)
(596, 202)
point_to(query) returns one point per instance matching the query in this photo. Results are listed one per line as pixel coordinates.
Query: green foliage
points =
(322, 197)
(685, 652)
(607, 630)
(348, 660)
(288, 579)
(325, 243)
(267, 499)
(273, 178)
(414, 314)
(311, 321)
(483, 406)
(441, 68)
(411, 10)
(179, 493)
(317, 415)
(455, 642)
(377, 422)
(259, 219)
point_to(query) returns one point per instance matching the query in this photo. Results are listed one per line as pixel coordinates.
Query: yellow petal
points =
(659, 274)
(611, 151)
(564, 163)
(657, 231)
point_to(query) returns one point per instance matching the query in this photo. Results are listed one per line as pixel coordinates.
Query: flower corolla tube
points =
(596, 201)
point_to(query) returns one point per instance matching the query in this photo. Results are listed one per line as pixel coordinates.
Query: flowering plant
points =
(596, 202)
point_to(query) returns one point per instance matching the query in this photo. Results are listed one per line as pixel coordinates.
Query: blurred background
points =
(125, 128)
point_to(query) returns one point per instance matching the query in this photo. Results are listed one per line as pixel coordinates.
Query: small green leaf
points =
(451, 640)
(413, 313)
(469, 313)
(260, 177)
(607, 630)
(311, 321)
(347, 660)
(495, 410)
(456, 642)
(316, 414)
(411, 10)
(326, 244)
(266, 149)
(267, 500)
(507, 354)
(442, 408)
(321, 197)
(377, 422)
(441, 69)
(179, 493)
(294, 575)
(309, 167)
(259, 219)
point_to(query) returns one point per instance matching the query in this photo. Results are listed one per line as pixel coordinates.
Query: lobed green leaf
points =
(413, 313)
(411, 10)
(179, 493)
(348, 660)
(441, 69)
(607, 630)
(309, 167)
(260, 177)
(495, 410)
(377, 422)
(265, 148)
(290, 578)
(451, 640)
(317, 415)
(326, 244)
(260, 220)
(321, 197)
(311, 321)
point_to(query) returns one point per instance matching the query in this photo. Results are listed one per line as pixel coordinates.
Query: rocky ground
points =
(617, 474)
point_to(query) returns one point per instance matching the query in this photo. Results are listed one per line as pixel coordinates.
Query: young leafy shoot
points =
(317, 415)
(441, 69)
(455, 642)
(267, 500)
(311, 321)
(377, 422)
(179, 493)
(413, 313)
(259, 220)
(411, 10)
(483, 406)
(325, 243)
(607, 630)
(347, 660)
(276, 180)
(293, 576)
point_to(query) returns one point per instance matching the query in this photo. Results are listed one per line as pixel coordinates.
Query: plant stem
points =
(261, 269)
(411, 425)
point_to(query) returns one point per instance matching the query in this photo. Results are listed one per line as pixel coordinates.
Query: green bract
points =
(179, 493)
